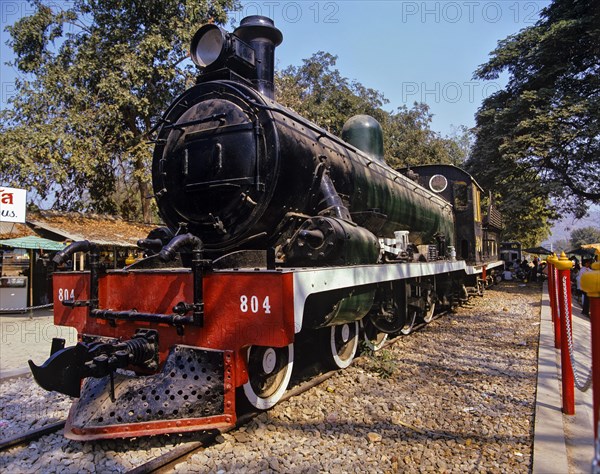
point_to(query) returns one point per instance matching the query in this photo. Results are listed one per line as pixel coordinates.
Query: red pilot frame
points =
(241, 309)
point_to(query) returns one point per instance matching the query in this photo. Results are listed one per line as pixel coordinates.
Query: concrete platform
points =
(562, 443)
(25, 336)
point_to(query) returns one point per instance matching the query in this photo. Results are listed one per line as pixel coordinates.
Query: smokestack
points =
(260, 33)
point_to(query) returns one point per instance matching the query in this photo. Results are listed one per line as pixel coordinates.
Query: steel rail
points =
(31, 435)
(181, 453)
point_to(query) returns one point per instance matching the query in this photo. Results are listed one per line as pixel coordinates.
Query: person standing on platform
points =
(585, 301)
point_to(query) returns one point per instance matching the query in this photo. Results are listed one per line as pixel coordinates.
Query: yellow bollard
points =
(590, 283)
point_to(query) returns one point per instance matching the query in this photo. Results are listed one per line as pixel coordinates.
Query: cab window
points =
(461, 196)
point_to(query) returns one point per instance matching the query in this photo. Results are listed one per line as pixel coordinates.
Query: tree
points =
(408, 140)
(518, 190)
(585, 235)
(319, 92)
(545, 124)
(96, 77)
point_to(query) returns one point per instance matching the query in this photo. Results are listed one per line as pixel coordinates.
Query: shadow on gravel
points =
(395, 432)
(518, 287)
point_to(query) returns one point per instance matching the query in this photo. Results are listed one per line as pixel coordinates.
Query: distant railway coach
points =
(511, 251)
(277, 232)
(477, 233)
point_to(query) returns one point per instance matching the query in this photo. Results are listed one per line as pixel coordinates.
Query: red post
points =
(564, 265)
(590, 284)
(557, 311)
(553, 293)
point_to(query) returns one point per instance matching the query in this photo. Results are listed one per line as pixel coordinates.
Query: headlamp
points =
(208, 45)
(213, 46)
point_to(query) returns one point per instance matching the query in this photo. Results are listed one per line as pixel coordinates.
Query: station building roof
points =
(14, 230)
(73, 226)
(100, 229)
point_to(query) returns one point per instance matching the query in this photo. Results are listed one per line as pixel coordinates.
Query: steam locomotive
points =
(275, 229)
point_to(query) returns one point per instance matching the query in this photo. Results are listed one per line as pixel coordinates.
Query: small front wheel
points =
(269, 372)
(343, 342)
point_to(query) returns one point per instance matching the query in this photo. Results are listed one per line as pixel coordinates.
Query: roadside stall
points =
(25, 272)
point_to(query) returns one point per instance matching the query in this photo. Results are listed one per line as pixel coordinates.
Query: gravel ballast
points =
(457, 396)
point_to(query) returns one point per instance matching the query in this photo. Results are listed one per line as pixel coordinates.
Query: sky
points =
(411, 51)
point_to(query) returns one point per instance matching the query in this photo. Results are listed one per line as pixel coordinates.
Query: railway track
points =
(305, 381)
(31, 435)
(446, 394)
(181, 453)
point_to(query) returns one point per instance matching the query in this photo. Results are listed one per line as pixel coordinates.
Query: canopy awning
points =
(580, 251)
(591, 246)
(33, 242)
(538, 251)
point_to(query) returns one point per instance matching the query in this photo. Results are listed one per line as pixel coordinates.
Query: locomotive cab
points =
(477, 232)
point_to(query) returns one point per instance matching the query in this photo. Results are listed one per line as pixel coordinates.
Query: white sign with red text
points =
(12, 204)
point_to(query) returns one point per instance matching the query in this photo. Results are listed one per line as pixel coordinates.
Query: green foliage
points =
(518, 192)
(538, 139)
(381, 362)
(408, 140)
(96, 77)
(585, 235)
(318, 91)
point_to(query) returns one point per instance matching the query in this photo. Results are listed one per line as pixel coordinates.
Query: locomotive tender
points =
(276, 229)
